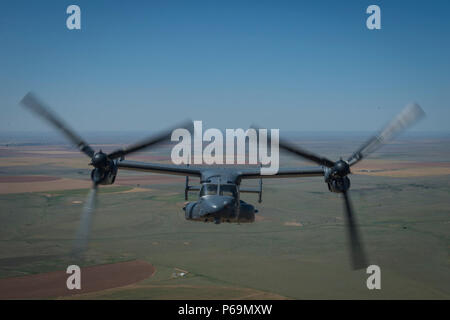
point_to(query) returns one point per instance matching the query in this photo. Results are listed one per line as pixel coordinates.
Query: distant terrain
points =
(296, 249)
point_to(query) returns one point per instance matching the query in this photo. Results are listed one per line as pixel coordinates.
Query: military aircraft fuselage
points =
(219, 202)
(219, 209)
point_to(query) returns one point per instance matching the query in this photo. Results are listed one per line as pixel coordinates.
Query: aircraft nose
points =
(217, 203)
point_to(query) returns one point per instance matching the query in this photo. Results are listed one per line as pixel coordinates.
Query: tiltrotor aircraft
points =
(220, 187)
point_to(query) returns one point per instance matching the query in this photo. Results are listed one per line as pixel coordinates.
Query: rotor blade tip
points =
(27, 98)
(416, 109)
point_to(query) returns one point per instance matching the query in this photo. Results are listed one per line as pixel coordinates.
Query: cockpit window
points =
(228, 190)
(208, 189)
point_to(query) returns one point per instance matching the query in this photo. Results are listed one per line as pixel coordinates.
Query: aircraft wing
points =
(160, 168)
(255, 173)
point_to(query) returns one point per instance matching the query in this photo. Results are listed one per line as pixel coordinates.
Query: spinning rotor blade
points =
(305, 154)
(357, 252)
(32, 103)
(163, 136)
(84, 229)
(410, 115)
(301, 152)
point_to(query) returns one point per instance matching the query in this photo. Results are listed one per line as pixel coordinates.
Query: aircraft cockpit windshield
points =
(208, 190)
(225, 190)
(228, 190)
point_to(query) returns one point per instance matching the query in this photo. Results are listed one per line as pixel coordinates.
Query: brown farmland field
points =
(296, 249)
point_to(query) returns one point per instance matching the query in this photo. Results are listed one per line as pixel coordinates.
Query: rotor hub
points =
(341, 168)
(336, 177)
(99, 160)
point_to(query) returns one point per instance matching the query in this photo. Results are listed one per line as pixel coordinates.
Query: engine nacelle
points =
(106, 175)
(338, 185)
(336, 177)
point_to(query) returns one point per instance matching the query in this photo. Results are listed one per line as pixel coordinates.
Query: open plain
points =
(296, 249)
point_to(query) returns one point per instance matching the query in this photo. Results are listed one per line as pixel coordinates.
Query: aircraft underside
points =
(195, 212)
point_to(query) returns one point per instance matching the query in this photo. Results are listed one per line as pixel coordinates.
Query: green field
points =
(297, 249)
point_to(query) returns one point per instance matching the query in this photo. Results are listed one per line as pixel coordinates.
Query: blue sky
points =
(293, 65)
